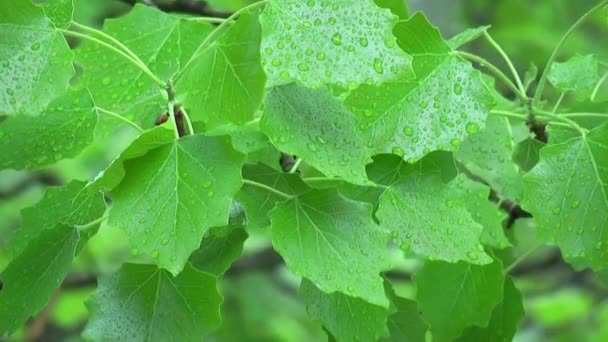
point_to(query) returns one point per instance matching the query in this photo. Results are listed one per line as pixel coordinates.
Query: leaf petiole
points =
(508, 114)
(211, 20)
(561, 118)
(187, 119)
(521, 258)
(109, 38)
(295, 166)
(497, 72)
(92, 223)
(267, 188)
(136, 63)
(171, 111)
(598, 86)
(492, 42)
(121, 118)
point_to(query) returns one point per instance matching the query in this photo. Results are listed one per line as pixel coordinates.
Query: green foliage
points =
(394, 218)
(29, 285)
(141, 302)
(574, 213)
(579, 72)
(454, 296)
(325, 35)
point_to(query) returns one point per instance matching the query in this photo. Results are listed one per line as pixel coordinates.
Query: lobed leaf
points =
(178, 192)
(566, 192)
(320, 233)
(431, 219)
(447, 102)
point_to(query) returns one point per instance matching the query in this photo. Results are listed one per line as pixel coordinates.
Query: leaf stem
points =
(543, 78)
(598, 86)
(211, 20)
(295, 166)
(213, 36)
(110, 38)
(521, 258)
(492, 42)
(514, 115)
(171, 111)
(187, 119)
(585, 115)
(497, 72)
(121, 118)
(267, 188)
(560, 118)
(559, 101)
(136, 63)
(92, 223)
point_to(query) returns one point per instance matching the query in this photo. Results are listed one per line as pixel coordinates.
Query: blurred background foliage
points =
(261, 302)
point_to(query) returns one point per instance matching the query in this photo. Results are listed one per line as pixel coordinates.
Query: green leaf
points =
(431, 219)
(233, 85)
(317, 128)
(487, 214)
(257, 308)
(61, 131)
(466, 36)
(249, 140)
(319, 234)
(346, 318)
(566, 192)
(31, 279)
(453, 296)
(173, 194)
(147, 141)
(71, 204)
(404, 323)
(221, 246)
(578, 73)
(35, 59)
(397, 7)
(59, 12)
(143, 303)
(527, 153)
(505, 318)
(488, 155)
(163, 42)
(447, 102)
(318, 42)
(258, 202)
